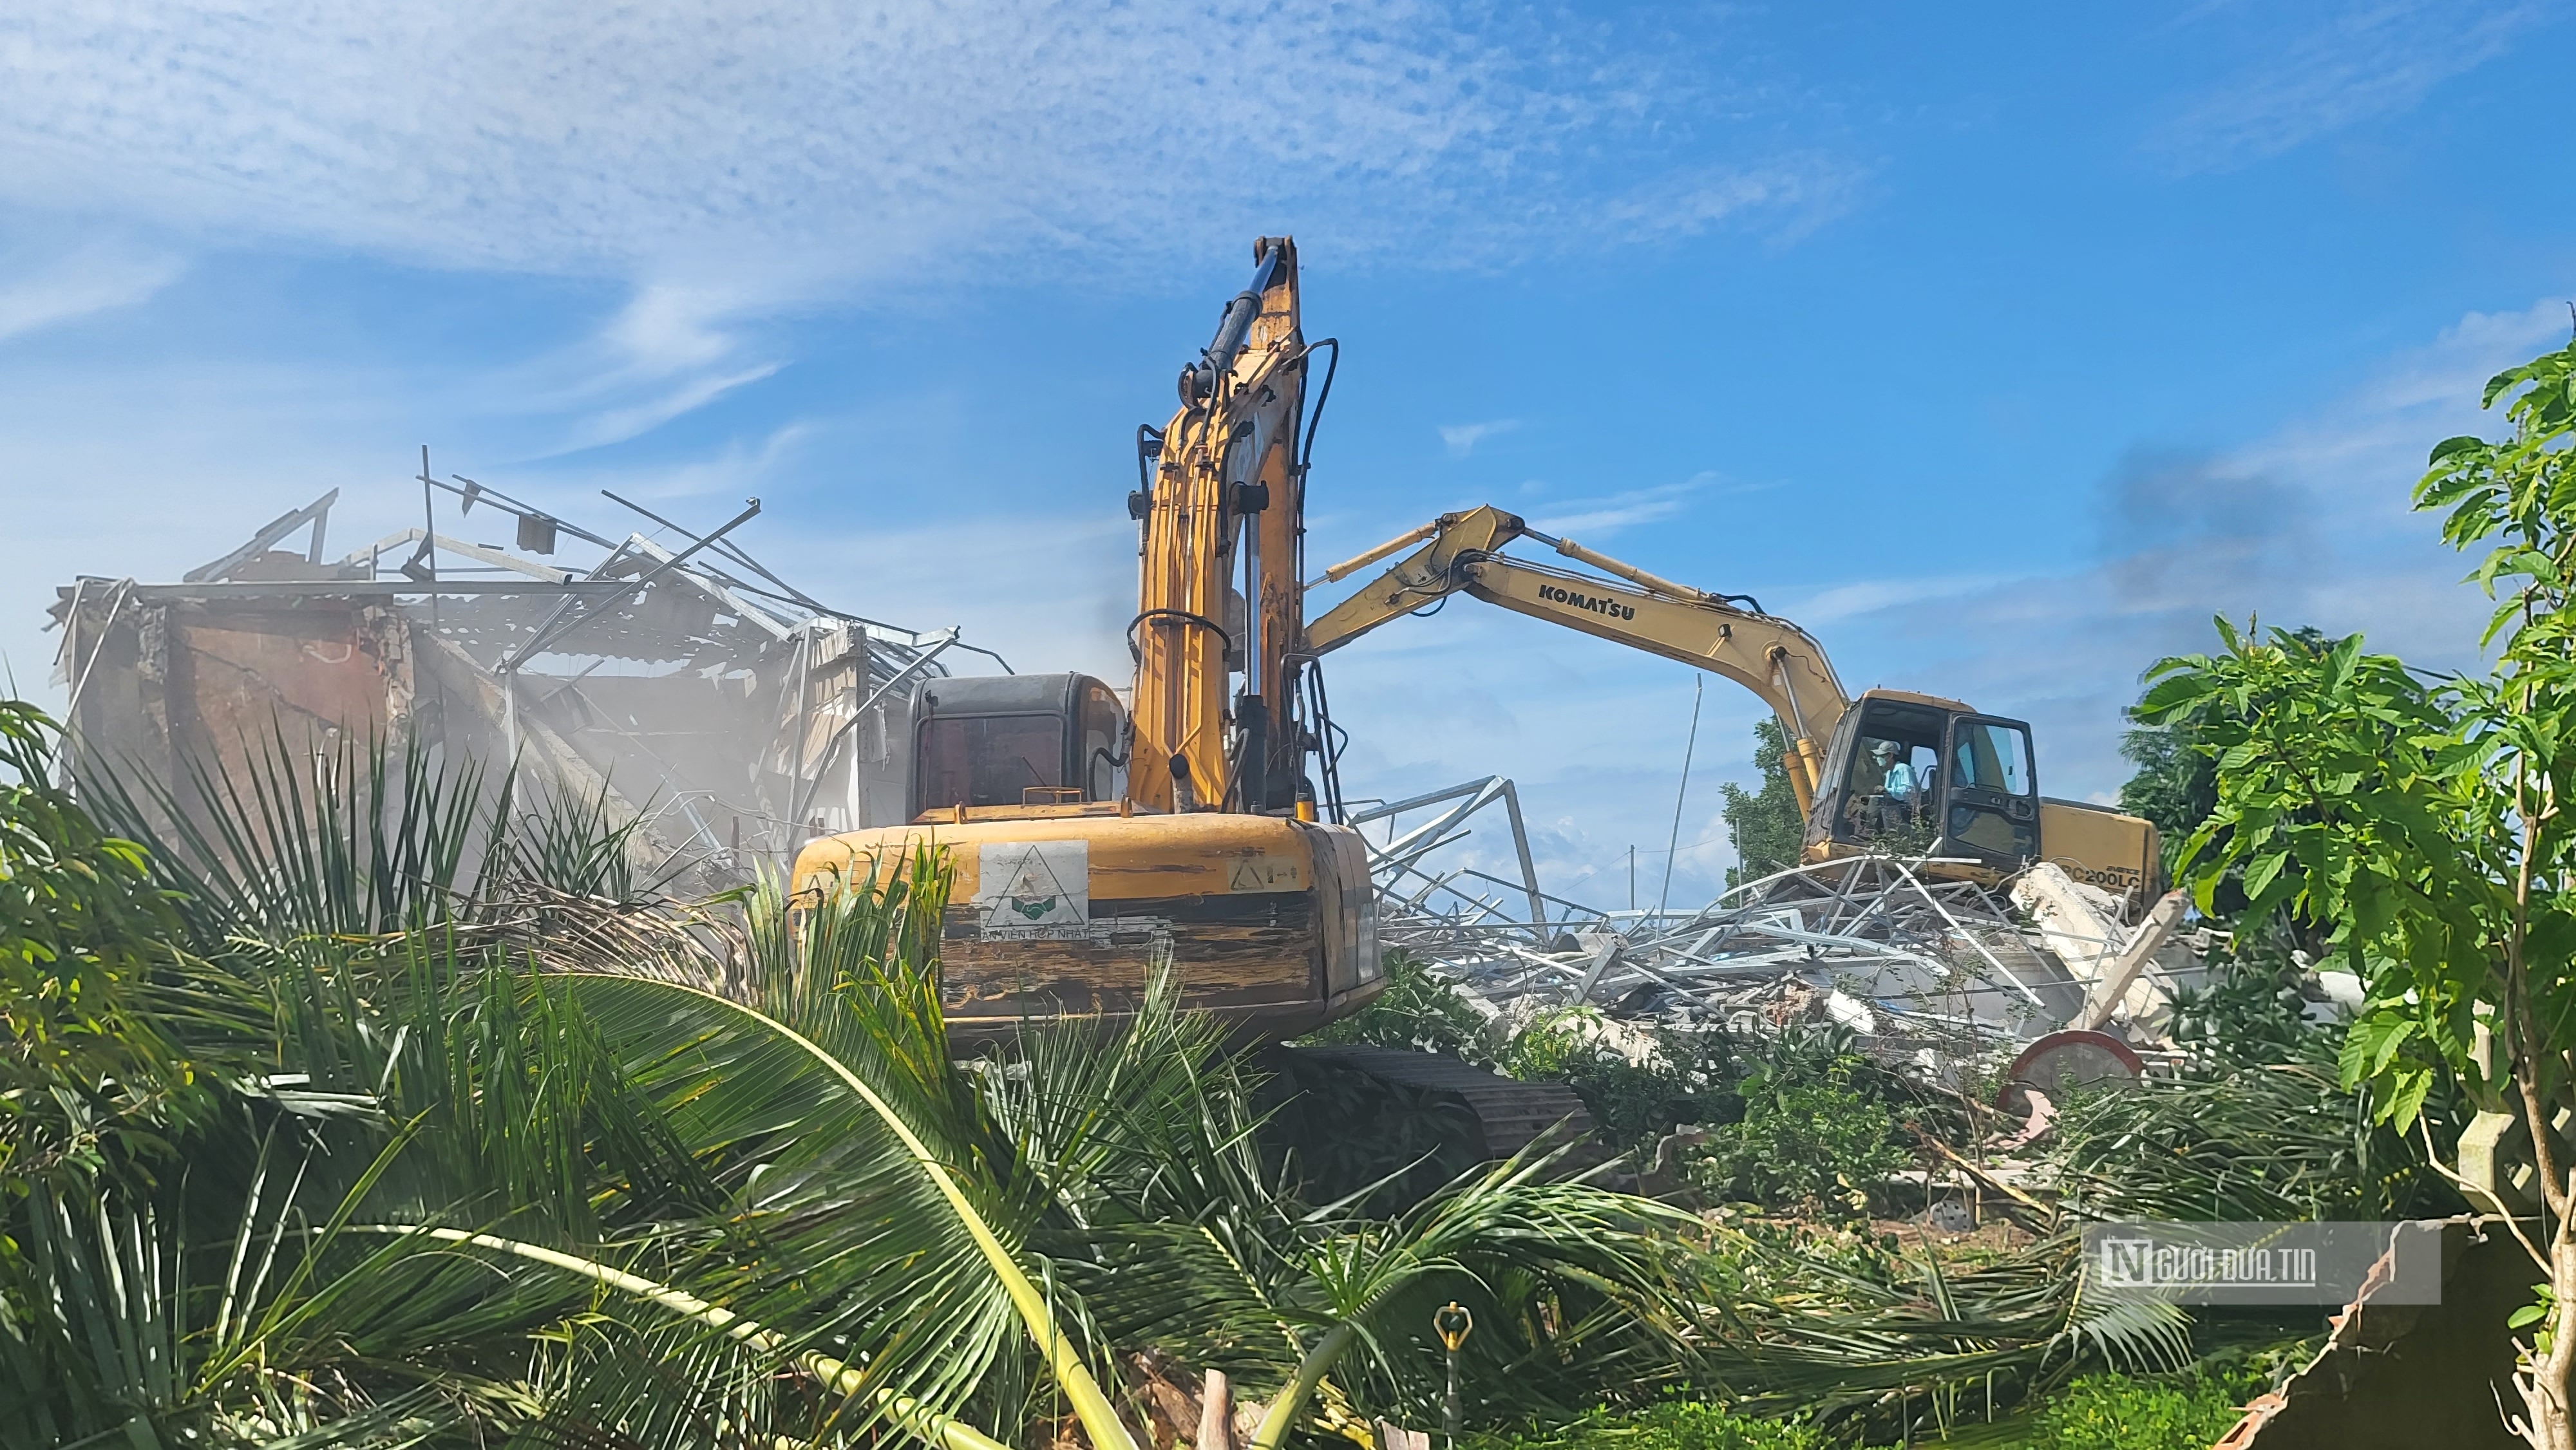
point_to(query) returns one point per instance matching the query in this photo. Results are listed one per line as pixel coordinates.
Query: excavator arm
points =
(1221, 505)
(1462, 552)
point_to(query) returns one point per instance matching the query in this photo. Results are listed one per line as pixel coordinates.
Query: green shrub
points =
(2114, 1412)
(1672, 1425)
(1690, 1080)
(1809, 1123)
(1810, 1139)
(1419, 1009)
(1689, 1077)
(92, 1078)
(2248, 1012)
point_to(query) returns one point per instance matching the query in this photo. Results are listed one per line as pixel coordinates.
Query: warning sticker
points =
(1033, 890)
(1266, 873)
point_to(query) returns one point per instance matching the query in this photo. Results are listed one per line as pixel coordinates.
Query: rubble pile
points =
(1916, 963)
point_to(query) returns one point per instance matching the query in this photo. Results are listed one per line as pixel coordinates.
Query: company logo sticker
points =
(1033, 890)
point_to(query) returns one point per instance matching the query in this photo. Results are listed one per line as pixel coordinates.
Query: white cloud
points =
(1461, 438)
(1055, 594)
(672, 348)
(818, 144)
(96, 278)
(2350, 453)
(737, 469)
(619, 424)
(1870, 596)
(1607, 515)
(1801, 193)
(2375, 58)
(668, 327)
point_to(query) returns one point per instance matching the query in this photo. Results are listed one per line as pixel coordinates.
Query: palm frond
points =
(830, 1074)
(2274, 1143)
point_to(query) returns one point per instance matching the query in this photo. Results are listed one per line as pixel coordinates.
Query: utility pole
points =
(1674, 844)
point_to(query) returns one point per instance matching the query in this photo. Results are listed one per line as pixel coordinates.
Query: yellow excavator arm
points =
(1987, 805)
(1770, 656)
(1221, 504)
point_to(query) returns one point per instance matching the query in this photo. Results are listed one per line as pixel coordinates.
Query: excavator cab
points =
(1921, 775)
(981, 742)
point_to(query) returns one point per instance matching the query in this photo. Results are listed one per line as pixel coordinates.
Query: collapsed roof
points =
(730, 712)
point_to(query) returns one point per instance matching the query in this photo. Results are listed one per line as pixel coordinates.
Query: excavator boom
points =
(1770, 656)
(1091, 844)
(1872, 773)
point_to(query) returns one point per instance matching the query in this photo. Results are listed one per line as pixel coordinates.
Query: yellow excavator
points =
(1088, 841)
(1091, 841)
(1892, 767)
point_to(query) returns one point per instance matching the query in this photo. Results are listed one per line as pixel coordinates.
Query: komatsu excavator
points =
(1934, 774)
(1090, 842)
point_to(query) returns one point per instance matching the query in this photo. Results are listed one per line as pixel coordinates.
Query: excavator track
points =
(1359, 1116)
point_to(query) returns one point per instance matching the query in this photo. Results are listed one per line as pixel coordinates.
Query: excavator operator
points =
(1900, 790)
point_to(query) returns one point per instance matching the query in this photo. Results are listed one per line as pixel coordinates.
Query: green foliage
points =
(1667, 1425)
(1419, 1010)
(2175, 785)
(520, 1156)
(92, 1077)
(2539, 1316)
(1890, 1337)
(1764, 825)
(352, 837)
(2176, 781)
(2249, 1011)
(2263, 1143)
(1817, 1135)
(2116, 1412)
(2406, 813)
(1686, 1077)
(1680, 1077)
(2355, 794)
(1811, 1141)
(2421, 821)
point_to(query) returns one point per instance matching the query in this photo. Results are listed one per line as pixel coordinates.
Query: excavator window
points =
(1892, 776)
(1017, 740)
(1993, 755)
(989, 760)
(1991, 796)
(1917, 778)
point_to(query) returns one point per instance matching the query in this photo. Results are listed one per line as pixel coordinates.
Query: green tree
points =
(1764, 825)
(2176, 782)
(91, 1079)
(2421, 822)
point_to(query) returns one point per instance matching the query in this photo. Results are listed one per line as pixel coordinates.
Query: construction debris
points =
(1941, 973)
(730, 712)
(736, 716)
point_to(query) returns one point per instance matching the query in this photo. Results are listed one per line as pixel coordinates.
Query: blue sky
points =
(2001, 345)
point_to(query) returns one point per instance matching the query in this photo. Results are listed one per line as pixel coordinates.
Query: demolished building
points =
(689, 687)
